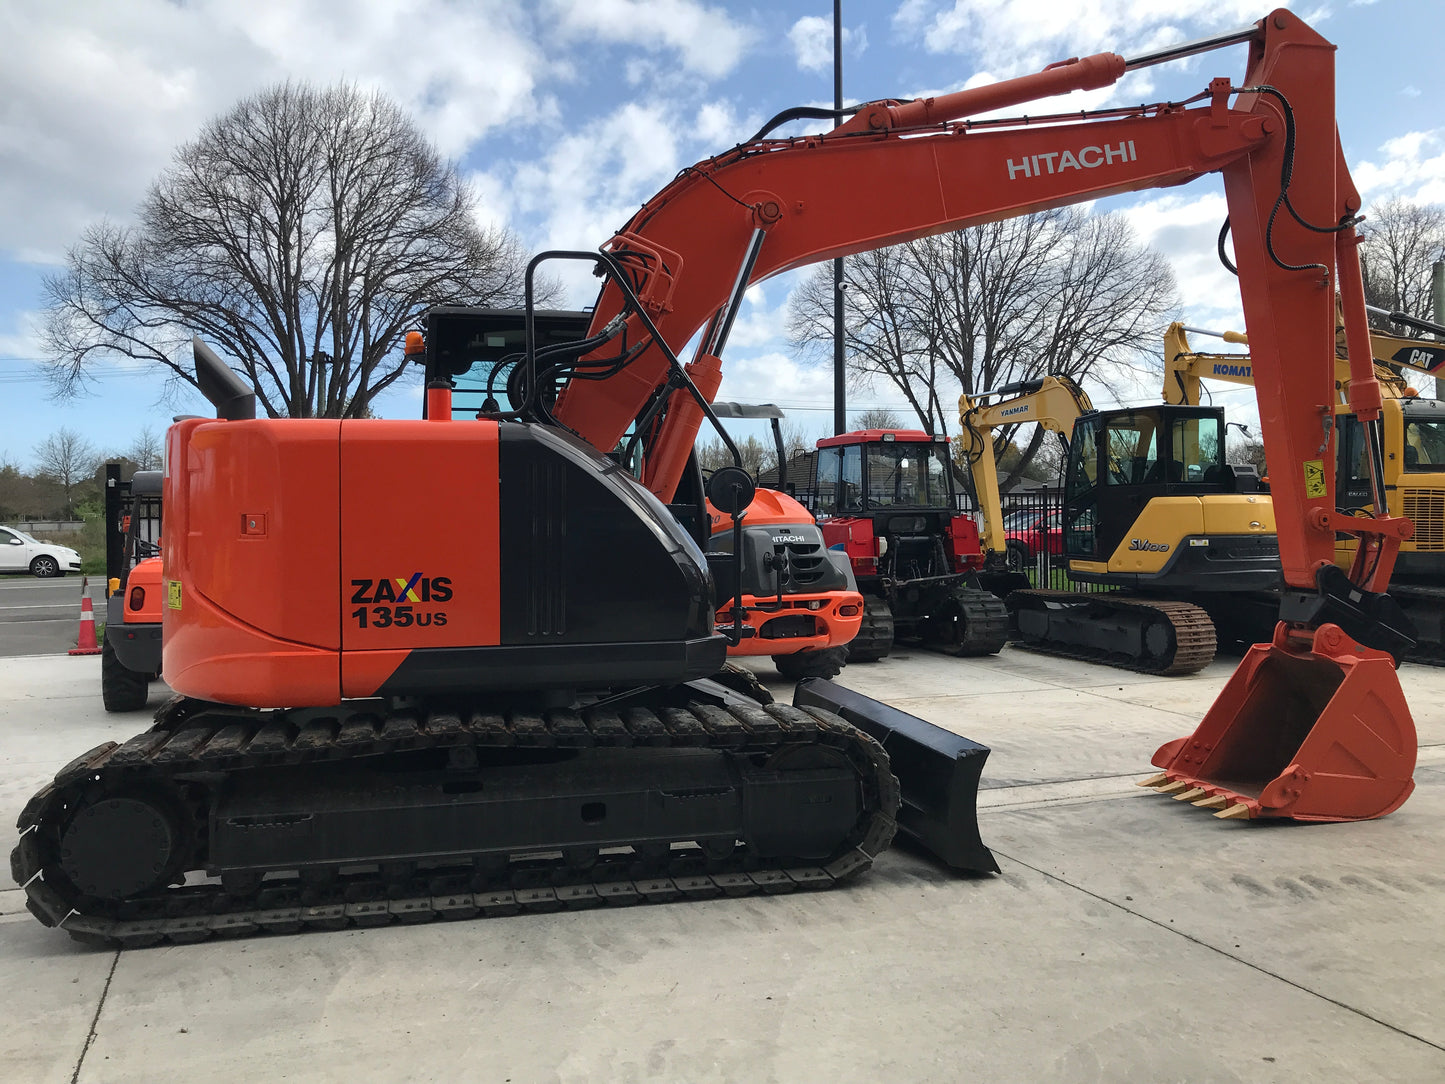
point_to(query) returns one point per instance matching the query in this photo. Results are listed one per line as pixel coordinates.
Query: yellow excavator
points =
(1152, 509)
(1413, 447)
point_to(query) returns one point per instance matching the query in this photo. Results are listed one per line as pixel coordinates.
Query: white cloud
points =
(706, 38)
(1184, 227)
(98, 95)
(1411, 165)
(1016, 36)
(812, 41)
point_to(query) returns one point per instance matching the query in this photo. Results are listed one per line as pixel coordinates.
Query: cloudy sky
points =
(567, 114)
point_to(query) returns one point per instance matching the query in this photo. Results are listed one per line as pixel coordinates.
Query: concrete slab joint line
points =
(1354, 1010)
(95, 1020)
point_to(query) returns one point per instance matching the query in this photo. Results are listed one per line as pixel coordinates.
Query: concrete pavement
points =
(1128, 938)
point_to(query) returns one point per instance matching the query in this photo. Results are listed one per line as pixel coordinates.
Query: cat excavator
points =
(1152, 510)
(510, 706)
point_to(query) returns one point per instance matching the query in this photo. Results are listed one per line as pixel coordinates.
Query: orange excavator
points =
(509, 706)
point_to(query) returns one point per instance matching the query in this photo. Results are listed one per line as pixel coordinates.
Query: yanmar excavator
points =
(479, 713)
(1153, 510)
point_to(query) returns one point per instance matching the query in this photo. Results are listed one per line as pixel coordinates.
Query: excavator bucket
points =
(1313, 731)
(937, 770)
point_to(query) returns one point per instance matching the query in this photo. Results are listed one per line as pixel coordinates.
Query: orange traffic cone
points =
(86, 644)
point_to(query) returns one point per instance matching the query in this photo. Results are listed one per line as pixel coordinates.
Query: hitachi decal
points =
(1036, 165)
(1225, 369)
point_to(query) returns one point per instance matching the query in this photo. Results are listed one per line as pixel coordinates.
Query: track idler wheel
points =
(1312, 726)
(121, 846)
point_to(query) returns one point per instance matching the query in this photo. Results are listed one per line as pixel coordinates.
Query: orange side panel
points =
(251, 561)
(420, 543)
(210, 655)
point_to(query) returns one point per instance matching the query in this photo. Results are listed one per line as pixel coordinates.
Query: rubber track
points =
(1194, 637)
(986, 621)
(1419, 596)
(179, 744)
(874, 640)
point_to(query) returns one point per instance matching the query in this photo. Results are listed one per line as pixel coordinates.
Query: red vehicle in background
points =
(1030, 532)
(886, 499)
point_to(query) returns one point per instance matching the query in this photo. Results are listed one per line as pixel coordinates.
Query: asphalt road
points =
(42, 617)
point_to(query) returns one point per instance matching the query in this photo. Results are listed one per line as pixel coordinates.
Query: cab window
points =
(1131, 451)
(850, 488)
(1197, 449)
(830, 470)
(1424, 447)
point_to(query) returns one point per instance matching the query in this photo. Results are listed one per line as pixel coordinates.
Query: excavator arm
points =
(1054, 402)
(1185, 368)
(899, 171)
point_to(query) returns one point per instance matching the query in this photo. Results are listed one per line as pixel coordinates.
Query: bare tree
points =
(302, 233)
(67, 458)
(877, 418)
(1402, 241)
(146, 451)
(1058, 292)
(712, 454)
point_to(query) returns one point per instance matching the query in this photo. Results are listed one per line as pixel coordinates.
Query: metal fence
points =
(1034, 537)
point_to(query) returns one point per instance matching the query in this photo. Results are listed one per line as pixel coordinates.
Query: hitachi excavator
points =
(1152, 509)
(796, 602)
(1413, 455)
(483, 712)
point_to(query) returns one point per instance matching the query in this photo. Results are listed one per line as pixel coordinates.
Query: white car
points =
(21, 553)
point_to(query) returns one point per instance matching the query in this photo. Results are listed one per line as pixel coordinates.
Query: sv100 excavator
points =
(481, 714)
(1151, 509)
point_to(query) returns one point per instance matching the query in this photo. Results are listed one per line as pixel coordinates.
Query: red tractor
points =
(886, 498)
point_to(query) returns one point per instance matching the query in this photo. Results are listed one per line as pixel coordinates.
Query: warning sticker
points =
(173, 594)
(1315, 485)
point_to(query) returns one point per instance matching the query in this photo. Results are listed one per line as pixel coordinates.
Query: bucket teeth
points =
(1219, 801)
(1234, 812)
(1173, 788)
(1190, 795)
(1154, 780)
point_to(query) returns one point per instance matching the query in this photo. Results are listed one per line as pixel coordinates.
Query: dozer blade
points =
(1311, 726)
(937, 770)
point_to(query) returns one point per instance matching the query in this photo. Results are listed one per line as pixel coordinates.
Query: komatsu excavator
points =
(1152, 509)
(479, 713)
(1413, 455)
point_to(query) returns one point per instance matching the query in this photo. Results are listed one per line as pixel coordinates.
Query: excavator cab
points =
(1135, 508)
